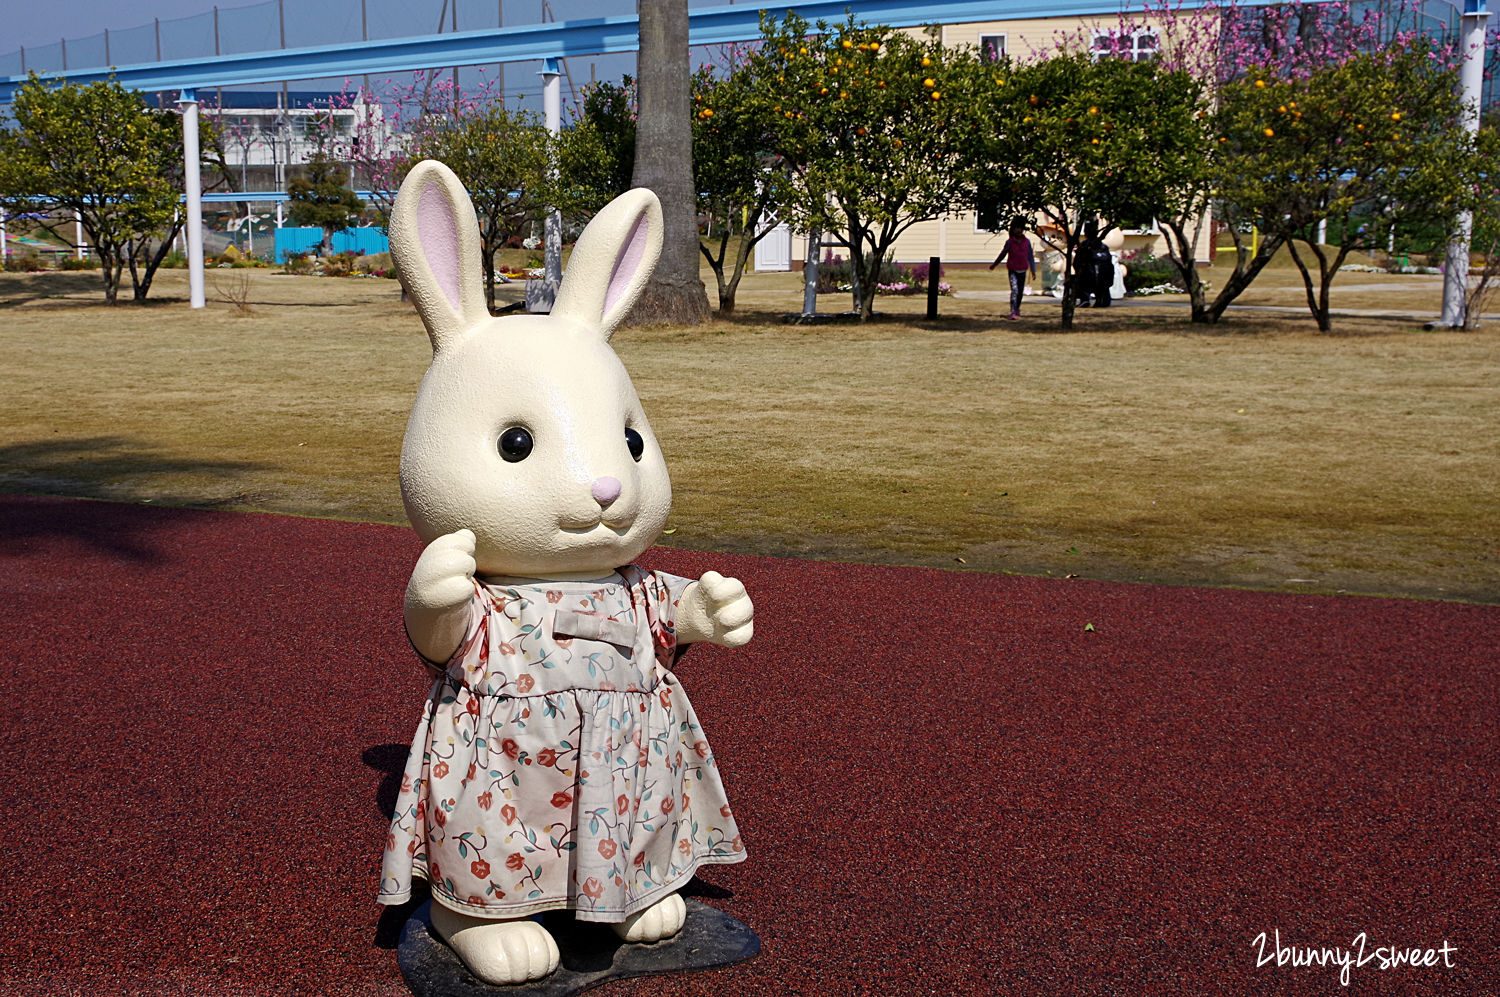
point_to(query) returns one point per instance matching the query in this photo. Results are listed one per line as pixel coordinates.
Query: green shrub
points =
(834, 274)
(1145, 270)
(71, 263)
(24, 262)
(340, 264)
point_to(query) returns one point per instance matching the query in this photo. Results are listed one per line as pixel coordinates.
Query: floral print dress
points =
(559, 763)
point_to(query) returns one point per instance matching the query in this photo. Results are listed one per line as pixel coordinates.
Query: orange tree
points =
(1370, 145)
(99, 154)
(1074, 138)
(1485, 190)
(732, 162)
(731, 154)
(504, 158)
(875, 131)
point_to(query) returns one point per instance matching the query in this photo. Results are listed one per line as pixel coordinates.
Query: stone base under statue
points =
(591, 954)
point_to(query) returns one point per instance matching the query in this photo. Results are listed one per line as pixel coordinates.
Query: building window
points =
(991, 48)
(1137, 46)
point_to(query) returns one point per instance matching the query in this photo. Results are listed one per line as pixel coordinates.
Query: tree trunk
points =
(865, 290)
(1070, 278)
(742, 256)
(1181, 251)
(111, 269)
(663, 162)
(1317, 298)
(716, 264)
(1246, 268)
(153, 259)
(489, 241)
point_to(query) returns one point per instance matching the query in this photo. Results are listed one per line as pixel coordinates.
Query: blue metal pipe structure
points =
(576, 37)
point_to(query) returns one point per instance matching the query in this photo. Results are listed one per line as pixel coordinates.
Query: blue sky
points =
(43, 22)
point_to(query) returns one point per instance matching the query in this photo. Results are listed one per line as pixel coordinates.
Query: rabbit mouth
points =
(618, 528)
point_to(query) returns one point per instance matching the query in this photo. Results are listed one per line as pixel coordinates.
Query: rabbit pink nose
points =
(606, 490)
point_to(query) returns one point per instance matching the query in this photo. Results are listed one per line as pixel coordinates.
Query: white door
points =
(774, 250)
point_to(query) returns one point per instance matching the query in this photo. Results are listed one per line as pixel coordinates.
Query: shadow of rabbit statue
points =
(558, 763)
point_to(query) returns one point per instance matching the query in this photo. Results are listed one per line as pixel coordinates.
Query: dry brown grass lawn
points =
(1138, 447)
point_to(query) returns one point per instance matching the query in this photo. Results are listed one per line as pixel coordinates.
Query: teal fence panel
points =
(294, 239)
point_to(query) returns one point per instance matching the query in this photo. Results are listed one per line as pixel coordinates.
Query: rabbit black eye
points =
(635, 443)
(515, 444)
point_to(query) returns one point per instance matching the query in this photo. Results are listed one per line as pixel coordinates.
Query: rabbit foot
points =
(661, 920)
(498, 952)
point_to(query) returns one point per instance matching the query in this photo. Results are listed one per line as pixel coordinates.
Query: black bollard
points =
(934, 264)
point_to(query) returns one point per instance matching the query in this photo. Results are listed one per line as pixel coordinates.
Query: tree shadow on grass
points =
(112, 468)
(19, 289)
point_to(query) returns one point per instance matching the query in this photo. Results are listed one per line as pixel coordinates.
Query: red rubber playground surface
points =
(948, 783)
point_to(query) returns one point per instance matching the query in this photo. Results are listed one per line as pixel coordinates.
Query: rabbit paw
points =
(444, 574)
(498, 952)
(441, 586)
(661, 920)
(716, 609)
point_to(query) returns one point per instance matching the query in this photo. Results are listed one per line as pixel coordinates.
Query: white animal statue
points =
(558, 763)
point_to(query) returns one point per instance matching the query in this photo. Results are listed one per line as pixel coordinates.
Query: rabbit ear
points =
(435, 248)
(612, 261)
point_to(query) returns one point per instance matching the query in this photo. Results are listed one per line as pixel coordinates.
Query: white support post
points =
(1471, 80)
(249, 229)
(540, 298)
(190, 158)
(79, 249)
(3, 249)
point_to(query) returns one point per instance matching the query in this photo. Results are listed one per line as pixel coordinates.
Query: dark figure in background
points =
(1093, 269)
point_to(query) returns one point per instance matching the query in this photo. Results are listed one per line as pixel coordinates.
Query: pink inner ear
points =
(437, 231)
(629, 262)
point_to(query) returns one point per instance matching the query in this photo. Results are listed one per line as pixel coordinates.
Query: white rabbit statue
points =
(558, 763)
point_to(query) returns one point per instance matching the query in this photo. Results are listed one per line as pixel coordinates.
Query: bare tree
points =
(663, 162)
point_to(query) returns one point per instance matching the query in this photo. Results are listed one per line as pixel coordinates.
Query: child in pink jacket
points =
(1021, 259)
